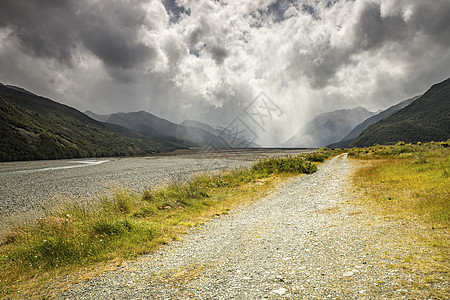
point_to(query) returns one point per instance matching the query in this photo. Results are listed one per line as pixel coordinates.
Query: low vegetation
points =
(408, 180)
(125, 225)
(410, 185)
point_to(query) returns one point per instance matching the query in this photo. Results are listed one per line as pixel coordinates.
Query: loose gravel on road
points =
(302, 242)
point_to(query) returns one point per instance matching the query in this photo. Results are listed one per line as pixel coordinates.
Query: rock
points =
(280, 291)
(348, 274)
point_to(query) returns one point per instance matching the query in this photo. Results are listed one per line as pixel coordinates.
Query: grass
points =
(408, 180)
(77, 235)
(410, 185)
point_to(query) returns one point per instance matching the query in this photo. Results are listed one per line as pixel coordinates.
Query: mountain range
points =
(348, 139)
(328, 128)
(34, 127)
(425, 119)
(200, 134)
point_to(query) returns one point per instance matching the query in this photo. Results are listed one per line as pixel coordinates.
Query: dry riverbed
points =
(28, 187)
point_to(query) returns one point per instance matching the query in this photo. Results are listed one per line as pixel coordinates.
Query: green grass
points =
(76, 235)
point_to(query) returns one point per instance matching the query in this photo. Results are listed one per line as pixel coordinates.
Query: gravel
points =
(28, 187)
(304, 241)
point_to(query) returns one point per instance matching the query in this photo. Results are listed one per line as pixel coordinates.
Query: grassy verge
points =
(410, 185)
(407, 180)
(74, 236)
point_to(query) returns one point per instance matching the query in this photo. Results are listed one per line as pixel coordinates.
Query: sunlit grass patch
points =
(411, 188)
(416, 185)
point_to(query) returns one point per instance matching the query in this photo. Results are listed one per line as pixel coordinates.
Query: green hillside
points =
(33, 127)
(426, 119)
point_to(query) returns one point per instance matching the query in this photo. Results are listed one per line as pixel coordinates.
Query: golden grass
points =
(409, 187)
(411, 190)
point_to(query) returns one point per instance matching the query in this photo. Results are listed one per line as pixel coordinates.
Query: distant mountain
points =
(328, 128)
(34, 127)
(426, 119)
(100, 118)
(223, 133)
(206, 127)
(348, 139)
(169, 143)
(150, 125)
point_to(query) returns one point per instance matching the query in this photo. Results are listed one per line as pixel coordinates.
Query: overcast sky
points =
(208, 59)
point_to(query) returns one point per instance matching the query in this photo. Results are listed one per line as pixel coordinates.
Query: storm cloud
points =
(207, 60)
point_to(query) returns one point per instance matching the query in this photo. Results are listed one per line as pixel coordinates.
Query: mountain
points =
(348, 139)
(150, 125)
(227, 135)
(168, 143)
(100, 118)
(34, 127)
(328, 128)
(426, 119)
(206, 127)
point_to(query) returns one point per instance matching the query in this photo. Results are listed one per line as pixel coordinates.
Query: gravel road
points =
(302, 242)
(26, 187)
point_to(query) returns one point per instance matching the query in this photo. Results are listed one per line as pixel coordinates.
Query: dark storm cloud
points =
(373, 31)
(109, 30)
(56, 28)
(43, 28)
(433, 20)
(218, 53)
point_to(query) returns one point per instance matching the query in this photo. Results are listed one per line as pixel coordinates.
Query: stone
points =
(280, 291)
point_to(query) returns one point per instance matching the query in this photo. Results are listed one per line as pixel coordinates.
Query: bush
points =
(284, 165)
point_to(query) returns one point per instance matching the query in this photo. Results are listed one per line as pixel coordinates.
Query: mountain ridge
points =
(327, 128)
(425, 119)
(34, 127)
(383, 114)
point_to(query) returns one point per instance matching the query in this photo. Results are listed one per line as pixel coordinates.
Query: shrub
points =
(284, 165)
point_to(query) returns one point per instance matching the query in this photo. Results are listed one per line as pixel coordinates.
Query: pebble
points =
(280, 291)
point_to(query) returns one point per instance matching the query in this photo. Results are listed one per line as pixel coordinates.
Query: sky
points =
(219, 61)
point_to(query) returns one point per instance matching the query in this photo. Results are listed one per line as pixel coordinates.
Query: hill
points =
(328, 128)
(154, 126)
(191, 133)
(348, 139)
(426, 119)
(34, 127)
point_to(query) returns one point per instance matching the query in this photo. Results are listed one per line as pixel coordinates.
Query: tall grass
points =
(78, 234)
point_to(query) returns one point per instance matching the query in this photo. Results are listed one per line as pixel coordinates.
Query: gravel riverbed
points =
(27, 187)
(302, 242)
